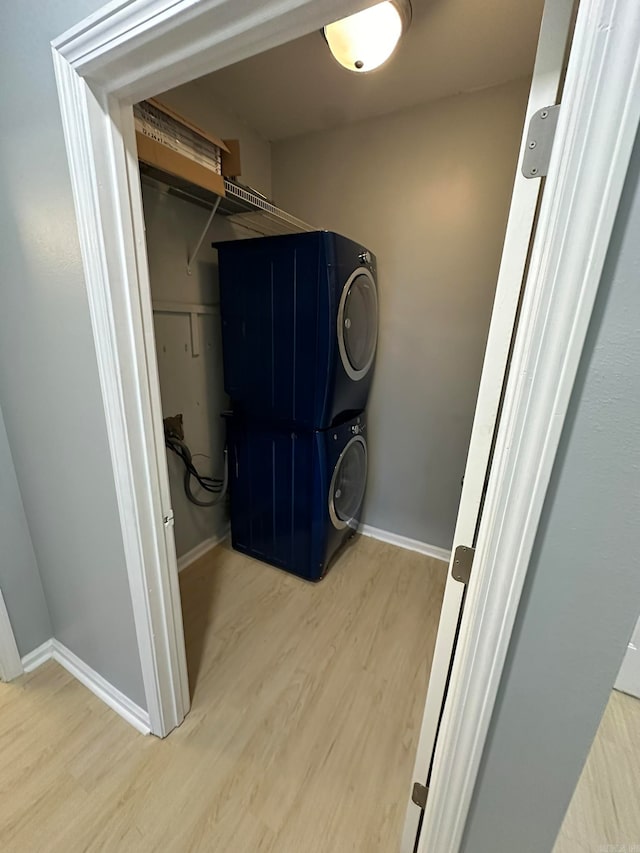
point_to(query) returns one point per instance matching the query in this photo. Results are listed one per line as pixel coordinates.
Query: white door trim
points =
(596, 130)
(10, 663)
(131, 50)
(127, 51)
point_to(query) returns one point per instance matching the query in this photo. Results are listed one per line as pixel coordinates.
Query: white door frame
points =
(10, 663)
(546, 83)
(137, 48)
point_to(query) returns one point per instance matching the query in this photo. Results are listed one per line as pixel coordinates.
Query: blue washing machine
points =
(299, 327)
(296, 494)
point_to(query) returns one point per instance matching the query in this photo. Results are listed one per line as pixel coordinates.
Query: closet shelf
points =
(240, 205)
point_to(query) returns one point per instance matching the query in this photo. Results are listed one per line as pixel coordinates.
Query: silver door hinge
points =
(419, 794)
(167, 519)
(462, 563)
(540, 136)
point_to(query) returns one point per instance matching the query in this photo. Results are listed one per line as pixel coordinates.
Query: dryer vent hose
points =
(174, 441)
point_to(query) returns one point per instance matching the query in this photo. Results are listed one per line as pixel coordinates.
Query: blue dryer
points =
(295, 494)
(299, 326)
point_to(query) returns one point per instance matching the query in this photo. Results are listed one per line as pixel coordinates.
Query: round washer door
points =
(348, 484)
(358, 323)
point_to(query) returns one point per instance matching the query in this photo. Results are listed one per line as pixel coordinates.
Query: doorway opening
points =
(422, 188)
(95, 82)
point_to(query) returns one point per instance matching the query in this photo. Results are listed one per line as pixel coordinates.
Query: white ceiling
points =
(452, 46)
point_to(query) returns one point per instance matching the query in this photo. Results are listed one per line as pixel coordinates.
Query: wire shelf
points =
(259, 213)
(241, 205)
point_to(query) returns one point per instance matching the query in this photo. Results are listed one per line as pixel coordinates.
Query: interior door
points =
(628, 680)
(548, 76)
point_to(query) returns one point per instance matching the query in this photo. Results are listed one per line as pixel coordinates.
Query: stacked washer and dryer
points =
(299, 331)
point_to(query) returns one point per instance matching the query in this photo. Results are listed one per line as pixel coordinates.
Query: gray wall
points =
(427, 190)
(582, 594)
(49, 388)
(19, 577)
(191, 384)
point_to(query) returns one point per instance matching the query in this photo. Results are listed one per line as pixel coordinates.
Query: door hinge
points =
(419, 794)
(462, 563)
(167, 519)
(540, 136)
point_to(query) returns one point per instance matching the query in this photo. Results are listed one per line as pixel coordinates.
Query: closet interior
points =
(318, 384)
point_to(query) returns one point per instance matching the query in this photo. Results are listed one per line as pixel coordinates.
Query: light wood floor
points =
(306, 706)
(604, 814)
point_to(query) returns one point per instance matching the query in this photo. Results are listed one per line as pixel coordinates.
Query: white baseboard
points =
(99, 686)
(366, 530)
(201, 549)
(38, 656)
(404, 542)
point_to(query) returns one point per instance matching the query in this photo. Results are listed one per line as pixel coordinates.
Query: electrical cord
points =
(209, 484)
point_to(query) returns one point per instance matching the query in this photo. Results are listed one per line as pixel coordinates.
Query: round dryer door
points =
(348, 484)
(358, 323)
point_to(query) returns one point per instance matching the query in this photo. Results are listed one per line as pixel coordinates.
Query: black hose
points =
(181, 449)
(209, 484)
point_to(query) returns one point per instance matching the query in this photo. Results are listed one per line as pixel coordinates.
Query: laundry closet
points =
(371, 207)
(426, 190)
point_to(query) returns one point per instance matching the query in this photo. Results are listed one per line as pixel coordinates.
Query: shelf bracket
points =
(191, 258)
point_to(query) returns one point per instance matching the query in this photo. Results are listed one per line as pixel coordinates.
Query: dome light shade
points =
(366, 40)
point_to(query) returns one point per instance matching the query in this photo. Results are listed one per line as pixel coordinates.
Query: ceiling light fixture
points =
(366, 40)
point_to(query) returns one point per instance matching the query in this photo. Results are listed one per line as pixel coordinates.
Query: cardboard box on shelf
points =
(231, 165)
(176, 146)
(173, 163)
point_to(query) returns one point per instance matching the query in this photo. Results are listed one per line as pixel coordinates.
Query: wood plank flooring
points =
(604, 813)
(306, 705)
